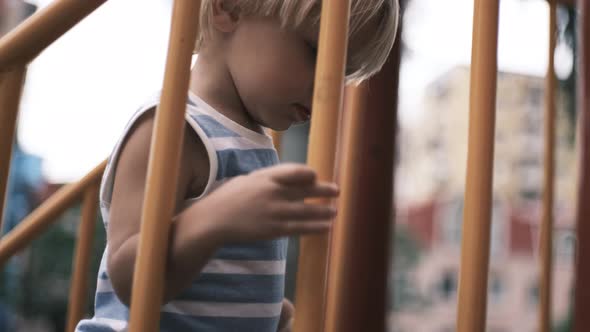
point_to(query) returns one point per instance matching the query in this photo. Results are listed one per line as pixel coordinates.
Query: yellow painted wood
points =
(277, 140)
(362, 231)
(158, 207)
(79, 281)
(46, 214)
(26, 41)
(327, 104)
(478, 190)
(581, 319)
(546, 238)
(11, 87)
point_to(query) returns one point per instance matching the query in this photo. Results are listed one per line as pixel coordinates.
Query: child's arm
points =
(127, 201)
(263, 205)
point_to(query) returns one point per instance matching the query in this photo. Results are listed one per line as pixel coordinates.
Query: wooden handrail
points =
(475, 246)
(158, 204)
(81, 262)
(327, 104)
(11, 87)
(46, 214)
(25, 42)
(582, 290)
(546, 237)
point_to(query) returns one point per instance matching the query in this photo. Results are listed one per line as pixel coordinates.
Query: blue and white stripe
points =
(241, 288)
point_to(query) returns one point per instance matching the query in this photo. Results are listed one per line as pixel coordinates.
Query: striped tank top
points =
(241, 288)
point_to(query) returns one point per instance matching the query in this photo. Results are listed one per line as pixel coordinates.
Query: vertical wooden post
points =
(327, 102)
(79, 283)
(277, 140)
(546, 240)
(11, 87)
(478, 190)
(582, 290)
(158, 206)
(359, 258)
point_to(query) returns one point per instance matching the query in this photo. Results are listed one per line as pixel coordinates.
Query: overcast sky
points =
(81, 91)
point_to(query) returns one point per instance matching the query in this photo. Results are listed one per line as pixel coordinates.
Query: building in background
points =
(431, 181)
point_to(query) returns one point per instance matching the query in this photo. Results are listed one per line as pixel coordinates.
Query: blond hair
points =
(369, 54)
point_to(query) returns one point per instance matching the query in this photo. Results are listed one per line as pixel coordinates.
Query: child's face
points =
(273, 70)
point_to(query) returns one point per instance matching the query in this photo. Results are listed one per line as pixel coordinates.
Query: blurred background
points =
(81, 91)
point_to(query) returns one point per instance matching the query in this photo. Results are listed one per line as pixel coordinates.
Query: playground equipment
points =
(354, 299)
(582, 291)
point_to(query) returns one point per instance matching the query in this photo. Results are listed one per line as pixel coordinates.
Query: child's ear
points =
(226, 15)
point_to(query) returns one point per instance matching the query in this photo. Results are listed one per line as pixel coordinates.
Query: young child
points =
(226, 257)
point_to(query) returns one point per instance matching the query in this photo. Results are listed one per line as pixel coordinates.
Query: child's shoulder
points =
(131, 153)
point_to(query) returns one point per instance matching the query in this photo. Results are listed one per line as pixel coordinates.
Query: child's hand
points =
(287, 314)
(269, 203)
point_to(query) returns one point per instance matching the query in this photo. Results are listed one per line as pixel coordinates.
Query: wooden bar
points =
(277, 140)
(11, 87)
(25, 42)
(582, 287)
(478, 190)
(46, 214)
(570, 3)
(327, 103)
(546, 238)
(148, 279)
(359, 258)
(79, 283)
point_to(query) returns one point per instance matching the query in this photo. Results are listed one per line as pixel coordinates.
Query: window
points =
(495, 288)
(535, 98)
(451, 222)
(533, 294)
(447, 285)
(565, 244)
